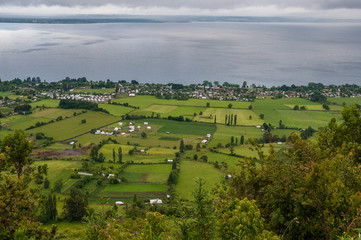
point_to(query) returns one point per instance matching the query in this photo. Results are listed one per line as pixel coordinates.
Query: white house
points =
(145, 123)
(119, 203)
(116, 129)
(85, 174)
(204, 141)
(155, 201)
(170, 160)
(120, 124)
(149, 127)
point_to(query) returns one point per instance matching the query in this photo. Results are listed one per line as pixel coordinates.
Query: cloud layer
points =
(312, 8)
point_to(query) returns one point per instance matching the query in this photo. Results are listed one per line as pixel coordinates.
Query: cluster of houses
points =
(131, 128)
(206, 139)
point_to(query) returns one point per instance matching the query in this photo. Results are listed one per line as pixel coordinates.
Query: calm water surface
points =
(260, 53)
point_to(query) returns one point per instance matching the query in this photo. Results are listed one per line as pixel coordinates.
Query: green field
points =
(224, 133)
(243, 116)
(134, 188)
(53, 103)
(217, 157)
(298, 119)
(115, 110)
(147, 173)
(189, 171)
(346, 100)
(71, 127)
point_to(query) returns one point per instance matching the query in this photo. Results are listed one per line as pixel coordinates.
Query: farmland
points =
(191, 139)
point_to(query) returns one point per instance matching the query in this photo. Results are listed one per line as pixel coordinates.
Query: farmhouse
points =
(155, 201)
(85, 174)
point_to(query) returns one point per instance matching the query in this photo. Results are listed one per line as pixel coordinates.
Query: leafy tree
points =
(120, 155)
(235, 119)
(143, 135)
(261, 116)
(75, 207)
(83, 121)
(46, 183)
(230, 105)
(242, 140)
(203, 214)
(17, 149)
(296, 107)
(250, 107)
(58, 185)
(181, 146)
(49, 211)
(113, 155)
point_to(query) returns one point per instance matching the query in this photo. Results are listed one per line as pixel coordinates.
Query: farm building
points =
(156, 201)
(119, 203)
(85, 174)
(149, 127)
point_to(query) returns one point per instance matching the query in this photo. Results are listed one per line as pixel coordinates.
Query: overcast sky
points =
(297, 8)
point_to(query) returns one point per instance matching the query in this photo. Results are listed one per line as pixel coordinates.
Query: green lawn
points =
(148, 173)
(189, 171)
(134, 188)
(346, 100)
(115, 110)
(299, 119)
(53, 103)
(217, 157)
(71, 127)
(243, 116)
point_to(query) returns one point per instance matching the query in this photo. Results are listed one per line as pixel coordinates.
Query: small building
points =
(155, 201)
(119, 203)
(116, 129)
(259, 127)
(131, 95)
(85, 174)
(145, 123)
(149, 127)
(120, 124)
(204, 141)
(170, 160)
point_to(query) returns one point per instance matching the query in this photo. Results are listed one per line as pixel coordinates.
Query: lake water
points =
(261, 53)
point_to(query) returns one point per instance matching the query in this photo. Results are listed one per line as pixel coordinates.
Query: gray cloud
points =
(202, 4)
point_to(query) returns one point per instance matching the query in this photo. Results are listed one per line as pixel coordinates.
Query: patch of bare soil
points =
(144, 178)
(60, 153)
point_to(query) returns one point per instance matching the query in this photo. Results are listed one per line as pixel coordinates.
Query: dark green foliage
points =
(58, 185)
(75, 207)
(46, 183)
(77, 104)
(22, 108)
(120, 155)
(181, 146)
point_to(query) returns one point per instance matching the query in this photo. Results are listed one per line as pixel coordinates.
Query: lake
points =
(261, 53)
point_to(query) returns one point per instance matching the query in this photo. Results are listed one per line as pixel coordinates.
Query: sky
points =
(344, 9)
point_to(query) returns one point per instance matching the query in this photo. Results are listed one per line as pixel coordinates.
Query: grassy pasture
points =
(5, 109)
(134, 188)
(71, 127)
(152, 155)
(299, 119)
(283, 103)
(347, 100)
(213, 157)
(224, 133)
(160, 108)
(148, 173)
(53, 103)
(60, 169)
(220, 113)
(189, 171)
(115, 110)
(175, 127)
